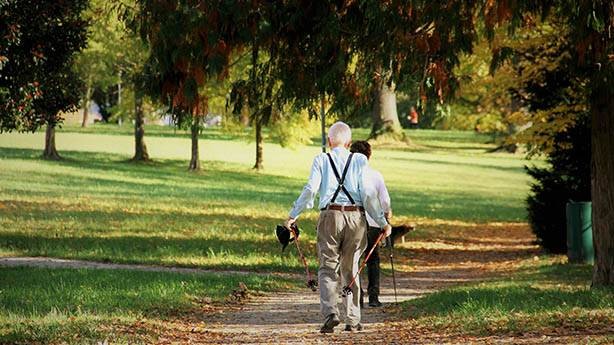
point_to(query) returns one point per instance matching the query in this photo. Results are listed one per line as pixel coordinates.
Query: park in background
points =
(530, 79)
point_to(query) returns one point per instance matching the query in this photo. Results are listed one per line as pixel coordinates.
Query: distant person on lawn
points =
(413, 118)
(376, 179)
(338, 176)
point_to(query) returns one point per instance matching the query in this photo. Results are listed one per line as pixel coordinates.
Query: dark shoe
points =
(357, 328)
(330, 323)
(374, 302)
(362, 299)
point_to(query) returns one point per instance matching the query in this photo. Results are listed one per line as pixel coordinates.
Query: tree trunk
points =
(195, 160)
(140, 149)
(86, 104)
(259, 159)
(244, 118)
(602, 109)
(119, 89)
(323, 123)
(50, 150)
(385, 116)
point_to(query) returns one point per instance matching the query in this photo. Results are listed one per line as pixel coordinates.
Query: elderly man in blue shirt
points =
(345, 195)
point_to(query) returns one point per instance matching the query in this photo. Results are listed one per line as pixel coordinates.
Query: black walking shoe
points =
(330, 323)
(357, 328)
(374, 302)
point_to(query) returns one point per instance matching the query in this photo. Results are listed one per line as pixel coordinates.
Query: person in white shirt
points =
(345, 197)
(376, 179)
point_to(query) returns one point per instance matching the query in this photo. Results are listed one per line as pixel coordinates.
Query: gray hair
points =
(339, 134)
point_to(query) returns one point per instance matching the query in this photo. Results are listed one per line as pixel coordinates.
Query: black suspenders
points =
(341, 179)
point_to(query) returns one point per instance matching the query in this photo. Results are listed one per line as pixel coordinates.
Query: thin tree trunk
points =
(602, 107)
(119, 89)
(195, 160)
(255, 104)
(385, 116)
(323, 122)
(244, 118)
(50, 151)
(259, 154)
(140, 149)
(86, 104)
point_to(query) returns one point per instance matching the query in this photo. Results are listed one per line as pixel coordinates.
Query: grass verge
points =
(41, 305)
(547, 298)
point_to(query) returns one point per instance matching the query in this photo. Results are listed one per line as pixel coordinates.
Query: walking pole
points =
(394, 279)
(311, 283)
(347, 290)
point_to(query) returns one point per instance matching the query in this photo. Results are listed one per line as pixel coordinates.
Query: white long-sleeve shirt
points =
(376, 179)
(322, 180)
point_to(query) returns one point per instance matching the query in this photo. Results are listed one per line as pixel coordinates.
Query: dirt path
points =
(463, 254)
(47, 262)
(423, 266)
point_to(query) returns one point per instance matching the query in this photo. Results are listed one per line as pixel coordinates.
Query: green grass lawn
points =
(94, 205)
(47, 305)
(542, 298)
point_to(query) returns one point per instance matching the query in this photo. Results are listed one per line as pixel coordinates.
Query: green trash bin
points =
(580, 232)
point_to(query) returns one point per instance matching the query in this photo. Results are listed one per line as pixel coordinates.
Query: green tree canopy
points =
(43, 37)
(39, 40)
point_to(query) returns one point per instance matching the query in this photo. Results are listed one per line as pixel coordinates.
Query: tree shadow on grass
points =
(115, 219)
(161, 131)
(253, 255)
(468, 205)
(519, 169)
(443, 257)
(109, 175)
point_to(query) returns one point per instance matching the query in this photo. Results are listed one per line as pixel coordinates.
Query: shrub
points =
(567, 178)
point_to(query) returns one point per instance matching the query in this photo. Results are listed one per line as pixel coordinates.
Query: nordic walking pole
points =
(394, 279)
(311, 283)
(347, 290)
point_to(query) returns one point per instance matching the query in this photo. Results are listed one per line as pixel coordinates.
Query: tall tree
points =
(140, 148)
(257, 91)
(190, 41)
(342, 41)
(96, 64)
(336, 48)
(591, 25)
(16, 96)
(44, 37)
(122, 55)
(384, 113)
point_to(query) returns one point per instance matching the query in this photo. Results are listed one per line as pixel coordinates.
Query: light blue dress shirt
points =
(322, 179)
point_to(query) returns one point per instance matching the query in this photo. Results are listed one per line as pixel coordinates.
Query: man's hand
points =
(388, 215)
(387, 229)
(288, 223)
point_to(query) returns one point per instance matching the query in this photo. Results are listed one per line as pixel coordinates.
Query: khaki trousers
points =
(341, 241)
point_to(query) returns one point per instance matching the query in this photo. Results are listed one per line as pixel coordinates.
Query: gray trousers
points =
(341, 241)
